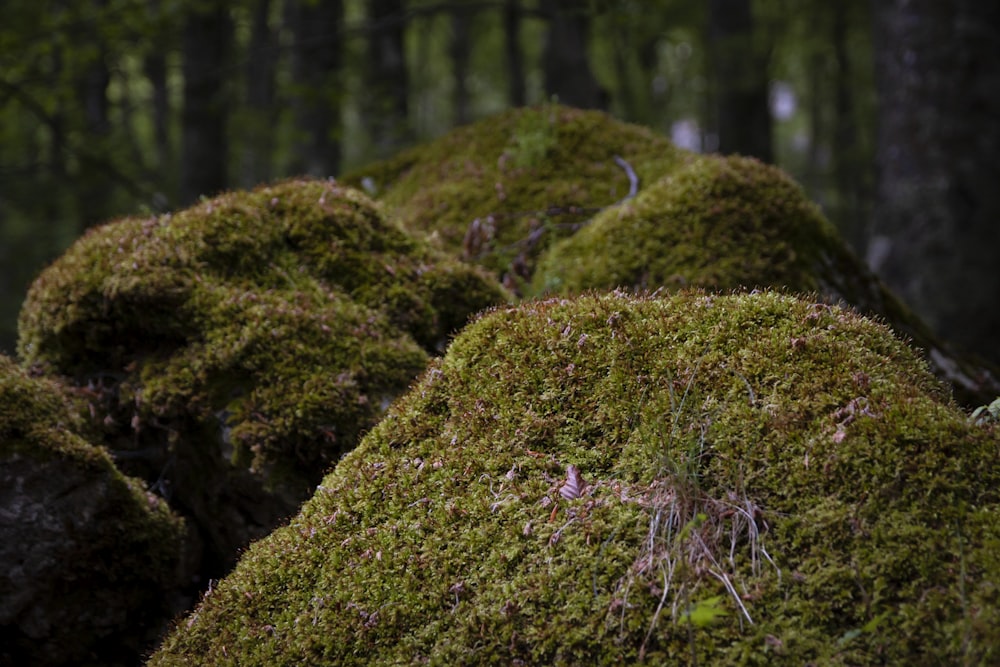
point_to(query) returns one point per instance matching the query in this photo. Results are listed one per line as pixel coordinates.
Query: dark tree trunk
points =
(207, 33)
(849, 168)
(938, 204)
(742, 114)
(261, 55)
(93, 186)
(566, 67)
(516, 85)
(316, 29)
(460, 50)
(386, 102)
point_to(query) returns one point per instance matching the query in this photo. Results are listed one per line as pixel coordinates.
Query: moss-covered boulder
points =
(89, 559)
(235, 350)
(727, 479)
(500, 191)
(591, 202)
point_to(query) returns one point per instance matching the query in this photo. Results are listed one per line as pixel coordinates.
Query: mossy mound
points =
(739, 479)
(719, 223)
(604, 204)
(88, 558)
(236, 349)
(500, 191)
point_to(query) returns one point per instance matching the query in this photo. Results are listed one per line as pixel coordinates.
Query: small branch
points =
(633, 179)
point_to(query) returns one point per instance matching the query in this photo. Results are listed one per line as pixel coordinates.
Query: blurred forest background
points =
(887, 111)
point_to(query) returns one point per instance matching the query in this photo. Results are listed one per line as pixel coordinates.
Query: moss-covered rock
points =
(740, 479)
(500, 191)
(236, 349)
(607, 204)
(89, 559)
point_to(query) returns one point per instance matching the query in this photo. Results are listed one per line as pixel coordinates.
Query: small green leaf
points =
(704, 612)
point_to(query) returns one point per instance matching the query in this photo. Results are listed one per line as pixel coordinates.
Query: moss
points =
(528, 176)
(789, 464)
(259, 331)
(719, 223)
(90, 556)
(547, 187)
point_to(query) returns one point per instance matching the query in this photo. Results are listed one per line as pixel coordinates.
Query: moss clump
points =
(500, 191)
(719, 223)
(247, 341)
(550, 184)
(740, 479)
(88, 557)
(727, 223)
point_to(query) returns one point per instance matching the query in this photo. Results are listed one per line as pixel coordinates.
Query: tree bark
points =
(936, 231)
(516, 86)
(94, 189)
(205, 44)
(386, 105)
(261, 55)
(742, 114)
(317, 59)
(566, 67)
(155, 69)
(459, 50)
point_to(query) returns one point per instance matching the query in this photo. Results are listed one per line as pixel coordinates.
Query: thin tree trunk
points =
(316, 28)
(93, 187)
(936, 237)
(207, 34)
(460, 50)
(516, 78)
(261, 54)
(742, 115)
(566, 66)
(386, 104)
(847, 163)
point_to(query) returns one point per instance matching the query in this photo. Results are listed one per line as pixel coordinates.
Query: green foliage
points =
(986, 414)
(703, 613)
(446, 536)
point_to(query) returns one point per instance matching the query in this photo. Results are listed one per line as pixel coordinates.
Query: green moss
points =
(719, 223)
(548, 186)
(92, 557)
(290, 314)
(795, 450)
(234, 351)
(529, 176)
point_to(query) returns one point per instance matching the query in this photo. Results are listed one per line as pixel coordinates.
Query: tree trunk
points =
(742, 115)
(316, 29)
(566, 67)
(459, 51)
(93, 186)
(516, 85)
(258, 146)
(205, 44)
(386, 104)
(849, 168)
(938, 205)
